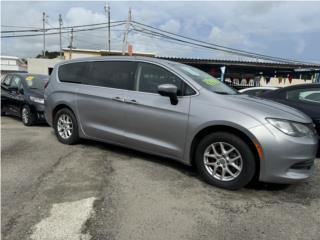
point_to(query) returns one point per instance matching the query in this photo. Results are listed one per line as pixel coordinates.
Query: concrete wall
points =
(41, 65)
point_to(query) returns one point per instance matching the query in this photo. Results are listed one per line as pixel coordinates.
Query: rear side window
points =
(117, 74)
(73, 72)
(305, 95)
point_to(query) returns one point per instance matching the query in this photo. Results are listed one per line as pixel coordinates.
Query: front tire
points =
(27, 116)
(66, 126)
(225, 161)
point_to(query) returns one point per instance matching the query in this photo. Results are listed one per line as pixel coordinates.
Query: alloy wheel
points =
(25, 115)
(65, 126)
(223, 161)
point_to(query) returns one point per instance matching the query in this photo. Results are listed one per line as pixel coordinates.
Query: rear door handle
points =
(118, 99)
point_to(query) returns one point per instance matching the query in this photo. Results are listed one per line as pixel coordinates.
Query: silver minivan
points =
(182, 113)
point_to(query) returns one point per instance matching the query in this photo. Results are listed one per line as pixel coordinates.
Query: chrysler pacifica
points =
(182, 113)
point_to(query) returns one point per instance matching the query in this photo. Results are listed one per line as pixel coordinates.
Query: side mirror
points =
(169, 90)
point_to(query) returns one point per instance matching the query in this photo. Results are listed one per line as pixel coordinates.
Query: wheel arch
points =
(59, 107)
(250, 139)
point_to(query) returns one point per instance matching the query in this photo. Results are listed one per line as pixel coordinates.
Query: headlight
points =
(291, 128)
(37, 100)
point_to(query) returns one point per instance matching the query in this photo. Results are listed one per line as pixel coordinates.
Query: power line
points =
(15, 26)
(57, 28)
(216, 46)
(153, 33)
(54, 33)
(170, 41)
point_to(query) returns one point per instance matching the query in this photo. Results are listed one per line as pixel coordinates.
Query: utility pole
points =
(71, 42)
(107, 10)
(44, 33)
(125, 36)
(60, 25)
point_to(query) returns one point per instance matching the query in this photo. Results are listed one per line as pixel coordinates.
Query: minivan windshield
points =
(205, 80)
(36, 81)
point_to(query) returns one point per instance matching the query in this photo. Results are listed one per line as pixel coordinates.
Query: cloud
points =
(265, 27)
(171, 26)
(227, 38)
(82, 16)
(300, 47)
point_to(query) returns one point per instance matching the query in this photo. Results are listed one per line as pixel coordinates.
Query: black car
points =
(304, 97)
(22, 96)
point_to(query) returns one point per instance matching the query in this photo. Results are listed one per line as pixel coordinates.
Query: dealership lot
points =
(98, 191)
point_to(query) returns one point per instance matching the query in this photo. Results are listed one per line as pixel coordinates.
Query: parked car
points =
(305, 97)
(180, 112)
(257, 91)
(22, 96)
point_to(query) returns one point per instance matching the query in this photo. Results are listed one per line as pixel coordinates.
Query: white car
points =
(256, 91)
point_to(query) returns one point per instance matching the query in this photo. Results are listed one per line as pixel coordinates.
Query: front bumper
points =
(40, 116)
(285, 159)
(39, 110)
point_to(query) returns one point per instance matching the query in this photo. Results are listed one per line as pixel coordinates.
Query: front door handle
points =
(118, 99)
(132, 101)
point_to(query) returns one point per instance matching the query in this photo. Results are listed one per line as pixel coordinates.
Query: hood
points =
(261, 108)
(36, 93)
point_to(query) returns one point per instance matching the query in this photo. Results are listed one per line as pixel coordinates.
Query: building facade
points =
(247, 72)
(11, 64)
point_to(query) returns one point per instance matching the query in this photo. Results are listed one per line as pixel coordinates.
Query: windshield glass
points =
(36, 81)
(205, 80)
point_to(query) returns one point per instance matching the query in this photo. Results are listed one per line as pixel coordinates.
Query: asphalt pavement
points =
(98, 191)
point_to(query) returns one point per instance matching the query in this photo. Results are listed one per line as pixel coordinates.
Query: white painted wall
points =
(41, 65)
(11, 64)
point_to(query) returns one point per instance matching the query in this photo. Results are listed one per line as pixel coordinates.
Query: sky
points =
(280, 29)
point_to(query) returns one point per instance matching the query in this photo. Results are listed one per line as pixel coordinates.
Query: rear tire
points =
(225, 161)
(66, 127)
(27, 116)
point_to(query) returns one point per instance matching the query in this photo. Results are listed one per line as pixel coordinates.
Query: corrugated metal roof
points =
(238, 59)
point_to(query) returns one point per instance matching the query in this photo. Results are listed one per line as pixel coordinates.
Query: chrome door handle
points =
(118, 99)
(132, 101)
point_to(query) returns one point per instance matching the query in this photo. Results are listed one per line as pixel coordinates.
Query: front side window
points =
(305, 95)
(205, 80)
(120, 75)
(150, 76)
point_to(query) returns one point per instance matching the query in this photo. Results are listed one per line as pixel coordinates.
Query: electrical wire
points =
(216, 46)
(170, 41)
(54, 33)
(57, 28)
(153, 33)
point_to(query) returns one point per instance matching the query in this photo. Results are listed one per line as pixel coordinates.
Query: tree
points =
(49, 55)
